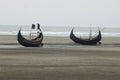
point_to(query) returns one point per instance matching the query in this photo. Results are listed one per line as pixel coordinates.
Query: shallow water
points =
(62, 46)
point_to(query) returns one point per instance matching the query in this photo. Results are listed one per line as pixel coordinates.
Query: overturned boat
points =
(37, 42)
(92, 41)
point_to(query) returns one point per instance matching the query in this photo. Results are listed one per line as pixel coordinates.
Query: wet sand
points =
(60, 59)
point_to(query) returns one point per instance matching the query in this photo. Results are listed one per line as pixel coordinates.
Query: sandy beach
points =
(60, 59)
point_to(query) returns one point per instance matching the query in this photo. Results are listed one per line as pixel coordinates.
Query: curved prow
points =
(71, 33)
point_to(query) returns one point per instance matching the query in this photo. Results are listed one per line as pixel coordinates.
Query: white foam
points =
(65, 34)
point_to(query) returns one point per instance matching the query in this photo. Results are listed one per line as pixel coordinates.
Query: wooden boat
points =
(92, 41)
(30, 43)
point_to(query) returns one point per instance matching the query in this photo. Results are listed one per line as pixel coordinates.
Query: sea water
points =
(61, 30)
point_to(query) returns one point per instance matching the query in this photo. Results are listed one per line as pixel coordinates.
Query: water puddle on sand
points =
(10, 46)
(63, 46)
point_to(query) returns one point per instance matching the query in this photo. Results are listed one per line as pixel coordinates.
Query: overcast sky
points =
(60, 12)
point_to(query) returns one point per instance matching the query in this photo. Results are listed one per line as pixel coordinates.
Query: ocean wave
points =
(63, 34)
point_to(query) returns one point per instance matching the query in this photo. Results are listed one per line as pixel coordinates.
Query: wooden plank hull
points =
(30, 43)
(92, 41)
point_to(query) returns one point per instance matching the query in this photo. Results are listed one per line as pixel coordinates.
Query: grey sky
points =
(60, 12)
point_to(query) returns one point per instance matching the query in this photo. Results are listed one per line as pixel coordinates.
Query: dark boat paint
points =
(92, 41)
(30, 43)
